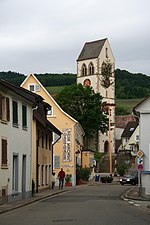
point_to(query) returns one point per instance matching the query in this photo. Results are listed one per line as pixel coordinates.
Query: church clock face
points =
(87, 83)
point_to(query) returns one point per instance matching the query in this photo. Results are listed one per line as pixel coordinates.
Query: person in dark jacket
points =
(61, 176)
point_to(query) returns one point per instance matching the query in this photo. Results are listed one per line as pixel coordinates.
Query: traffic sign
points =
(139, 153)
(139, 160)
(140, 166)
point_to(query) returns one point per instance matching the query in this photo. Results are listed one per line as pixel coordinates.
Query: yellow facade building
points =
(66, 152)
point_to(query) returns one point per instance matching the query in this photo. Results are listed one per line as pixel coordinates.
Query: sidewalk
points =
(37, 196)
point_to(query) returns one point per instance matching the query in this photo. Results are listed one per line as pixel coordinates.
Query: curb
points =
(126, 196)
(30, 201)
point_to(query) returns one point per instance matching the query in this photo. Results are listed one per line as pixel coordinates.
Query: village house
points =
(67, 151)
(18, 107)
(142, 111)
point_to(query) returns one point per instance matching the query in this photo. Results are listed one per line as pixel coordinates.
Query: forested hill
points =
(47, 79)
(128, 85)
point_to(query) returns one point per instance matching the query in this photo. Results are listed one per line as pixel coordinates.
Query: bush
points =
(83, 173)
(122, 169)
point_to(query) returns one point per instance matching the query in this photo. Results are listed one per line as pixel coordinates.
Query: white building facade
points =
(144, 145)
(15, 148)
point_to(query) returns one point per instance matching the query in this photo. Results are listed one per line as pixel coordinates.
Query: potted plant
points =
(68, 180)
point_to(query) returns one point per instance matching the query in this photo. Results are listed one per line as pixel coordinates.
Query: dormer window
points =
(132, 129)
(91, 69)
(49, 112)
(84, 70)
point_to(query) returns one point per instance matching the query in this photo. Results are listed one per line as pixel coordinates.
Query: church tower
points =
(95, 67)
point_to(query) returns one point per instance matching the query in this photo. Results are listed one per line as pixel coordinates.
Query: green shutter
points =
(4, 152)
(7, 109)
(24, 116)
(15, 112)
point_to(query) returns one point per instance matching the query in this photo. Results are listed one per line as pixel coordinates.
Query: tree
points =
(83, 104)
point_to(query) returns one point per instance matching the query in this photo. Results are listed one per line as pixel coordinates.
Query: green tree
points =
(83, 104)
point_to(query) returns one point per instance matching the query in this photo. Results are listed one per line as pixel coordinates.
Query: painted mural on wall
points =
(66, 145)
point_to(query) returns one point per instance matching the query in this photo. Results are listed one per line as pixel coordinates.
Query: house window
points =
(15, 113)
(56, 162)
(4, 108)
(91, 69)
(106, 52)
(38, 137)
(46, 141)
(42, 175)
(50, 143)
(49, 111)
(15, 173)
(4, 152)
(31, 87)
(34, 87)
(24, 116)
(84, 70)
(42, 139)
(46, 173)
(137, 138)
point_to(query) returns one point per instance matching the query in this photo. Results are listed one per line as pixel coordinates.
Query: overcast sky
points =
(39, 36)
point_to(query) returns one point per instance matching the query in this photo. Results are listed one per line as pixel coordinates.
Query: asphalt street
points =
(89, 205)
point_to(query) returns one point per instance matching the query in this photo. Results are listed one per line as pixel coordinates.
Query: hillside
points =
(128, 85)
(131, 86)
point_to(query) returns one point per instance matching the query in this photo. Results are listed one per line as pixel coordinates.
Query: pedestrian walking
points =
(61, 176)
(53, 180)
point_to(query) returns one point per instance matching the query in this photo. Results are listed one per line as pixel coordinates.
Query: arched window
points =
(106, 146)
(91, 68)
(84, 70)
(106, 51)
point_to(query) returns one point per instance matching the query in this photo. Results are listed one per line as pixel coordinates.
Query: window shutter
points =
(24, 116)
(4, 152)
(1, 106)
(15, 112)
(7, 109)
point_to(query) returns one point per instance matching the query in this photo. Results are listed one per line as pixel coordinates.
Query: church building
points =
(95, 67)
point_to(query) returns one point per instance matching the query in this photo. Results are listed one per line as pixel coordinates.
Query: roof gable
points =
(26, 94)
(143, 106)
(34, 77)
(91, 49)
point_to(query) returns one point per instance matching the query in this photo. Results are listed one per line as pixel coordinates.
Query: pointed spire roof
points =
(91, 49)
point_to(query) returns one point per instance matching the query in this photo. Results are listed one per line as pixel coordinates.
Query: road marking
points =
(131, 202)
(137, 205)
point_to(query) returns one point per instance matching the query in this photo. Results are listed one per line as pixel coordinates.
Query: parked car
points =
(129, 179)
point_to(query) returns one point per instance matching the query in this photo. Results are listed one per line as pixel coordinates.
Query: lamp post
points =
(109, 137)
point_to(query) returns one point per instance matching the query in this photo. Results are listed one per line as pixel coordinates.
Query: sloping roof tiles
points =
(129, 129)
(91, 49)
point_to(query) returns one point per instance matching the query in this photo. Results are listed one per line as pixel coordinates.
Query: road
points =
(88, 205)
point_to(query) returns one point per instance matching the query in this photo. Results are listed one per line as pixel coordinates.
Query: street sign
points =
(139, 160)
(140, 166)
(145, 172)
(139, 153)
